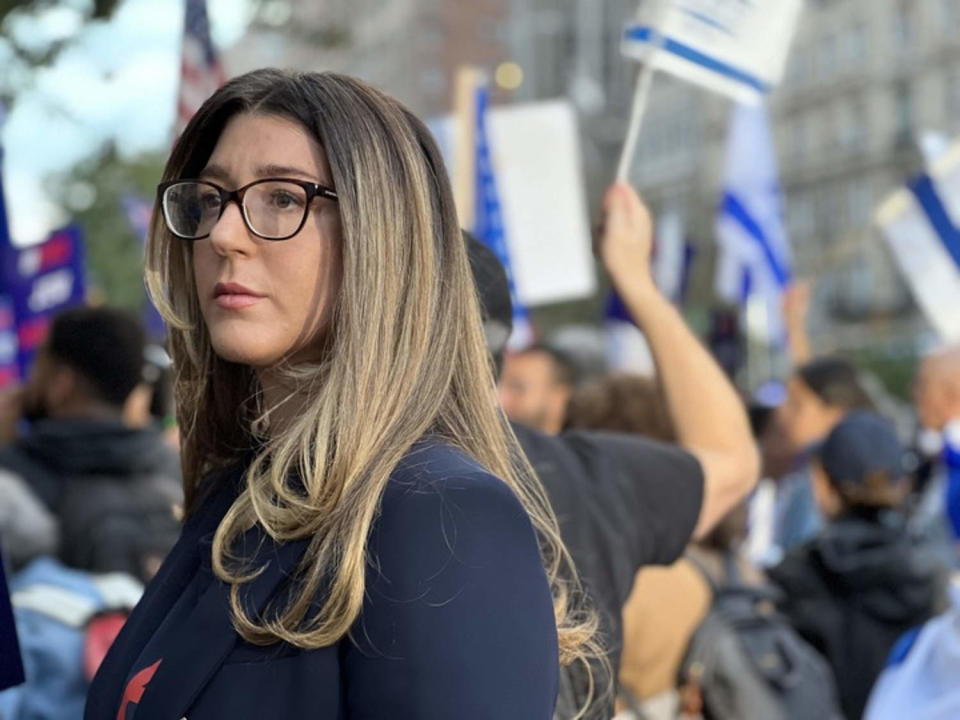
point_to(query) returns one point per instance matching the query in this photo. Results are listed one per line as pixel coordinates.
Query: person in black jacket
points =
(111, 489)
(855, 588)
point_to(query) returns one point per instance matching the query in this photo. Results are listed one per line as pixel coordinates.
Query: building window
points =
(799, 141)
(859, 202)
(903, 29)
(797, 67)
(856, 41)
(828, 57)
(949, 19)
(860, 127)
(951, 100)
(800, 218)
(904, 109)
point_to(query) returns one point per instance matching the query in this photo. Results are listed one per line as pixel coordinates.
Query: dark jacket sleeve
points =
(458, 619)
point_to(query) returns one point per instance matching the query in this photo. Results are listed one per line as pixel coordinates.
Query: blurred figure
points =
(535, 386)
(819, 395)
(669, 605)
(863, 581)
(936, 390)
(624, 502)
(622, 403)
(920, 680)
(151, 404)
(11, 666)
(936, 395)
(28, 529)
(110, 487)
(102, 489)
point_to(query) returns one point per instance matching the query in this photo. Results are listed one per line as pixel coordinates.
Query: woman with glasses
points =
(362, 536)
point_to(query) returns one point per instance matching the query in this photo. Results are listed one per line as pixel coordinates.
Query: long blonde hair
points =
(405, 357)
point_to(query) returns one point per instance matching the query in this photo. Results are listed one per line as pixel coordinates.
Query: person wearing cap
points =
(624, 502)
(920, 679)
(864, 580)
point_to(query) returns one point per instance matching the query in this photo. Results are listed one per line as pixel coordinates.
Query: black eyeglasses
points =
(272, 209)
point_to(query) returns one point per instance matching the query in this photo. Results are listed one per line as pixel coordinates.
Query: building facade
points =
(867, 83)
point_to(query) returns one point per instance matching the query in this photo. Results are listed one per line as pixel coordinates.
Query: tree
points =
(23, 50)
(94, 192)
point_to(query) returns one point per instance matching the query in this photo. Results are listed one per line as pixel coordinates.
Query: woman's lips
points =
(233, 296)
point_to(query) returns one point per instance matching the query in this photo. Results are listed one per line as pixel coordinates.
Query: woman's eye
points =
(210, 200)
(283, 200)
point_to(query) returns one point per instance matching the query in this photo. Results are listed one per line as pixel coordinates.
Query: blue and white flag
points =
(488, 218)
(922, 225)
(754, 258)
(732, 47)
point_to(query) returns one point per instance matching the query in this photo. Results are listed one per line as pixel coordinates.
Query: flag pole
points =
(464, 155)
(641, 93)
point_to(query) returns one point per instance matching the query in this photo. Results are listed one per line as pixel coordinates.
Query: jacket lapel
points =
(178, 568)
(193, 651)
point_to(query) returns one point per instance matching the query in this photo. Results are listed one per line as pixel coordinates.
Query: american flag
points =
(200, 70)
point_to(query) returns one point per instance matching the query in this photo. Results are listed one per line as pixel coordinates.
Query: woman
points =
(362, 539)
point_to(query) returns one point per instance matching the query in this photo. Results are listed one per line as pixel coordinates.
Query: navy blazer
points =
(457, 620)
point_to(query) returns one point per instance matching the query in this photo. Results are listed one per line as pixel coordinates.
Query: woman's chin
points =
(246, 354)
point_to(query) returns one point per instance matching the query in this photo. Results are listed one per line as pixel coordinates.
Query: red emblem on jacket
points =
(138, 683)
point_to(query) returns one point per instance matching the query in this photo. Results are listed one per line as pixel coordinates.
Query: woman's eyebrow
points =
(215, 172)
(284, 171)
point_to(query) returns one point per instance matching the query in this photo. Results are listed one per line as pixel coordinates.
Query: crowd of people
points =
(373, 509)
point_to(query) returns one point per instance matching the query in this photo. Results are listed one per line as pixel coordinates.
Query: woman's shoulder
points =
(436, 471)
(442, 511)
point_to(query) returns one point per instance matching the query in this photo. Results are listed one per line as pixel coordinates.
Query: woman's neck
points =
(282, 400)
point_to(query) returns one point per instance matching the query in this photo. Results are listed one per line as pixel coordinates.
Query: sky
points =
(117, 80)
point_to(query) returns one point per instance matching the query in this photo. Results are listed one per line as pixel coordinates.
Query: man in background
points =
(110, 488)
(535, 386)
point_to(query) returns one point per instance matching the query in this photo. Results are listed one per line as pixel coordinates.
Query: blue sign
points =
(40, 281)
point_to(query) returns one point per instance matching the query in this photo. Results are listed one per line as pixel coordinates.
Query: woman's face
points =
(805, 418)
(264, 300)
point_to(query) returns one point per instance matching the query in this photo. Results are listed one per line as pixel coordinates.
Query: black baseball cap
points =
(862, 448)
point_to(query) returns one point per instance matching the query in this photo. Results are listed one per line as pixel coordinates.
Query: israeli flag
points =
(754, 258)
(732, 47)
(488, 219)
(920, 222)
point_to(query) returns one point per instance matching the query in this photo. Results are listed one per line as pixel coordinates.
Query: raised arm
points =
(709, 417)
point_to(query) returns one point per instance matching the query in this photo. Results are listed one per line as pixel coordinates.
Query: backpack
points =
(745, 662)
(66, 620)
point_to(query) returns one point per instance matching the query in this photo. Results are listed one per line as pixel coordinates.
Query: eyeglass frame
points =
(313, 190)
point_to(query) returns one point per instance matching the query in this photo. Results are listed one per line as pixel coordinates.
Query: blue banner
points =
(40, 281)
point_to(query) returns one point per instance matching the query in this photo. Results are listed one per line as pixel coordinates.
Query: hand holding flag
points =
(626, 244)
